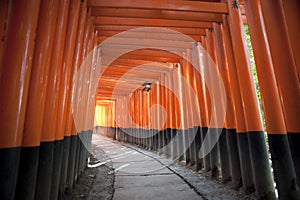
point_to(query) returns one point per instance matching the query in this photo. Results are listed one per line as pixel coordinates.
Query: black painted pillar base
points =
(161, 141)
(207, 157)
(192, 146)
(57, 160)
(27, 175)
(245, 162)
(64, 166)
(45, 170)
(168, 139)
(224, 157)
(72, 161)
(214, 153)
(261, 167)
(174, 141)
(157, 138)
(294, 139)
(186, 146)
(180, 145)
(9, 163)
(284, 173)
(198, 141)
(234, 159)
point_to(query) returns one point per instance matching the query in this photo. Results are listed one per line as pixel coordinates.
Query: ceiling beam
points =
(186, 31)
(152, 14)
(105, 51)
(149, 35)
(192, 6)
(150, 22)
(147, 58)
(131, 62)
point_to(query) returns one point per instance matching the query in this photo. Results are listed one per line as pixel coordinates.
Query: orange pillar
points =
(74, 30)
(33, 125)
(172, 107)
(163, 114)
(193, 106)
(256, 140)
(67, 171)
(206, 97)
(167, 103)
(214, 154)
(187, 114)
(286, 73)
(76, 18)
(283, 166)
(15, 67)
(230, 115)
(291, 10)
(4, 16)
(52, 96)
(242, 139)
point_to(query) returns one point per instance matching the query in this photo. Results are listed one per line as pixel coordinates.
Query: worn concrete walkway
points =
(140, 176)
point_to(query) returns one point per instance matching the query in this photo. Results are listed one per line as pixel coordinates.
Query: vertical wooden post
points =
(238, 154)
(285, 73)
(214, 154)
(283, 167)
(72, 31)
(75, 31)
(33, 124)
(230, 115)
(291, 10)
(15, 68)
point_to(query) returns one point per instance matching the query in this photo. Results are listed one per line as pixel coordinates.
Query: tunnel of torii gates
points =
(54, 78)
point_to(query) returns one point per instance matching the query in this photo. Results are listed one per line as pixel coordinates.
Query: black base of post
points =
(294, 139)
(72, 161)
(180, 145)
(245, 162)
(192, 146)
(198, 142)
(284, 173)
(28, 167)
(186, 146)
(224, 157)
(261, 167)
(57, 160)
(64, 165)
(214, 153)
(9, 171)
(207, 157)
(44, 176)
(234, 159)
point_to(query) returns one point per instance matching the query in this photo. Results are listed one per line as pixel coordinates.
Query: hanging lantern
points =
(146, 86)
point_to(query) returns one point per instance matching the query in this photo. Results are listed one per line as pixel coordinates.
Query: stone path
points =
(140, 176)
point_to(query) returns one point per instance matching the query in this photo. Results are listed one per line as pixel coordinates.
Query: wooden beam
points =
(145, 68)
(161, 14)
(150, 22)
(145, 43)
(108, 52)
(192, 6)
(136, 62)
(187, 31)
(149, 35)
(148, 58)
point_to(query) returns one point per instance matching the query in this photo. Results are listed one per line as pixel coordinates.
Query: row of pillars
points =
(241, 154)
(43, 44)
